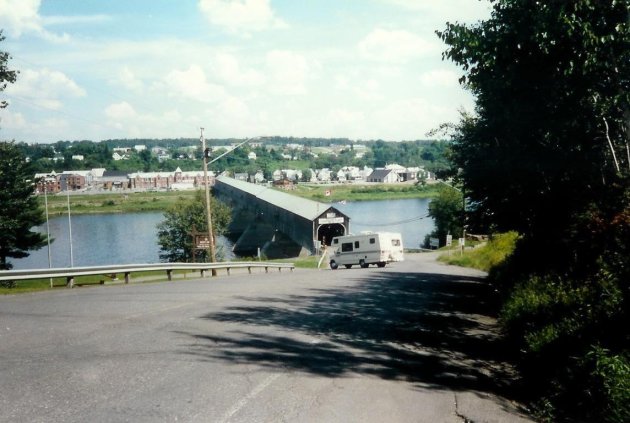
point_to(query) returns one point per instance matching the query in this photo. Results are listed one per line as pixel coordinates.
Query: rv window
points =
(356, 244)
(372, 240)
(396, 242)
(346, 246)
(335, 241)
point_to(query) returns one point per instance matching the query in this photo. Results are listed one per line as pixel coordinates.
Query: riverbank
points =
(152, 201)
(101, 203)
(364, 192)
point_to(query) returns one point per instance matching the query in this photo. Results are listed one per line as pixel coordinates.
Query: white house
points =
(383, 176)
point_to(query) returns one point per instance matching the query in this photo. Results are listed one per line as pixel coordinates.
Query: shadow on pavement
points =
(434, 330)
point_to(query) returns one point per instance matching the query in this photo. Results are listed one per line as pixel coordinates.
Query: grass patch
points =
(308, 262)
(364, 192)
(114, 202)
(486, 256)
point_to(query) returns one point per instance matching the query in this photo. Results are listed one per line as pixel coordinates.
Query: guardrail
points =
(71, 272)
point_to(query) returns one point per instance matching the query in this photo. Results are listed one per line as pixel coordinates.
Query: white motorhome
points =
(377, 248)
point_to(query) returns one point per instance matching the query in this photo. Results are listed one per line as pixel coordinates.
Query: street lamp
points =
(211, 249)
(206, 156)
(47, 227)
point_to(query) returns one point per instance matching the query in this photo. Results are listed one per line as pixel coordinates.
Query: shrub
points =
(573, 343)
(487, 256)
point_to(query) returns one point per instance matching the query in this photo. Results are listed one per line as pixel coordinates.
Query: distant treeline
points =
(271, 153)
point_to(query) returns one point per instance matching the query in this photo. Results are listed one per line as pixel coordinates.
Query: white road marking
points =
(253, 394)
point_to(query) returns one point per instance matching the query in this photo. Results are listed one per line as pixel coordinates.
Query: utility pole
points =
(211, 249)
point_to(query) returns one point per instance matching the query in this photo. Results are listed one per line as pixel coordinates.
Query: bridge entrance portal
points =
(325, 233)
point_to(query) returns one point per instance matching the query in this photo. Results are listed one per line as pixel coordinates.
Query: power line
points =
(401, 222)
(52, 109)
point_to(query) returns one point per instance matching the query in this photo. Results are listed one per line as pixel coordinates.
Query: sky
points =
(357, 69)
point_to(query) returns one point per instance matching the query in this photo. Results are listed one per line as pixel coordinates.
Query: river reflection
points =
(132, 238)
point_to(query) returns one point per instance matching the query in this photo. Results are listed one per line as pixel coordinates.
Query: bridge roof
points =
(303, 207)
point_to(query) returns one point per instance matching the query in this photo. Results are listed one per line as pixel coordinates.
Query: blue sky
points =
(361, 69)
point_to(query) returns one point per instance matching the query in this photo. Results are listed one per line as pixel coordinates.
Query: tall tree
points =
(547, 154)
(19, 211)
(549, 139)
(174, 233)
(447, 210)
(7, 76)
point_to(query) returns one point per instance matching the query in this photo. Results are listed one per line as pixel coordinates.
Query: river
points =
(103, 239)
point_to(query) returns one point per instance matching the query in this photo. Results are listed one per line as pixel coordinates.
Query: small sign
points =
(434, 242)
(449, 240)
(462, 242)
(202, 241)
(329, 220)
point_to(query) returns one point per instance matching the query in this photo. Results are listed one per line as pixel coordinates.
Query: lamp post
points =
(47, 227)
(206, 156)
(69, 224)
(211, 249)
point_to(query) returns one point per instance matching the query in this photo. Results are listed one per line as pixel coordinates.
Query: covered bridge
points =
(265, 218)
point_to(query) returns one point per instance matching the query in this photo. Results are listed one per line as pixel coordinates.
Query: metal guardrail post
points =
(127, 277)
(169, 274)
(70, 281)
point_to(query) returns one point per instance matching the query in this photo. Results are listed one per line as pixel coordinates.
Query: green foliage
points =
(447, 210)
(485, 257)
(545, 154)
(19, 211)
(573, 342)
(610, 382)
(174, 233)
(7, 76)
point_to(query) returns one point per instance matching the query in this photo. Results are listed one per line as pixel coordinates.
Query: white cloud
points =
(451, 10)
(344, 122)
(75, 19)
(395, 46)
(288, 72)
(411, 118)
(122, 111)
(20, 17)
(45, 87)
(129, 80)
(193, 84)
(9, 120)
(439, 78)
(227, 68)
(241, 15)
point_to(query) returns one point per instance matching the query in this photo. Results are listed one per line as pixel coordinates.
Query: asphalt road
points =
(412, 342)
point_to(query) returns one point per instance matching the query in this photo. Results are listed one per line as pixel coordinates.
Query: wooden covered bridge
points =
(277, 223)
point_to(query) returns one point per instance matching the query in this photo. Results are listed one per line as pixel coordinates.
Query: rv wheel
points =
(381, 264)
(333, 265)
(363, 264)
